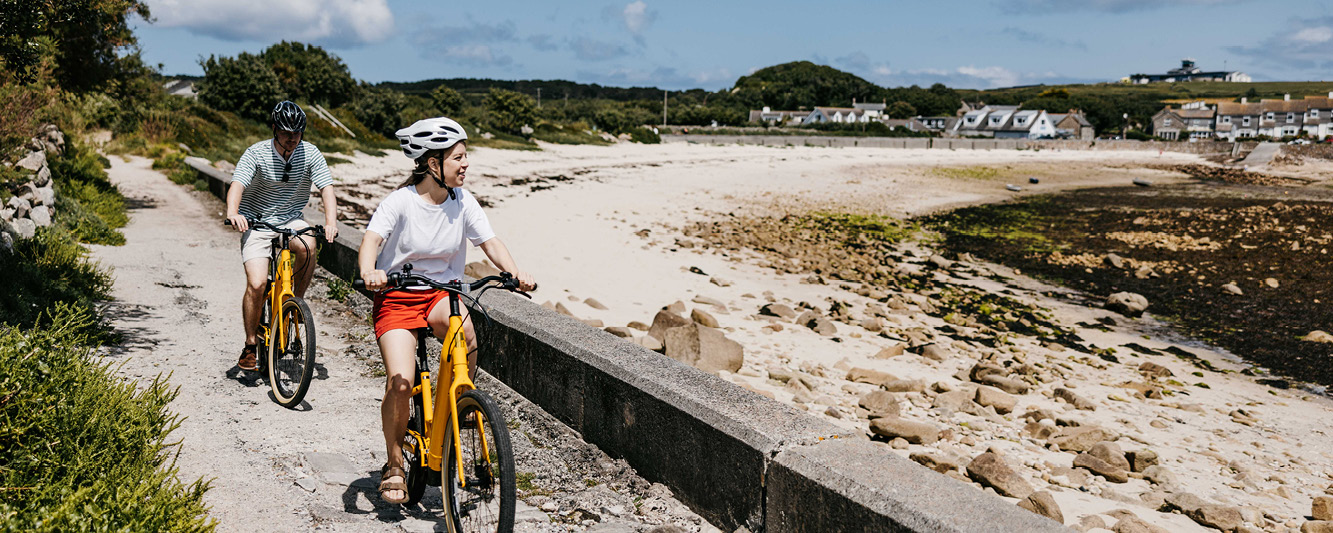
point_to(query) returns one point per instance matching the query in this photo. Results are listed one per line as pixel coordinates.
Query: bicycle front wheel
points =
(291, 363)
(484, 502)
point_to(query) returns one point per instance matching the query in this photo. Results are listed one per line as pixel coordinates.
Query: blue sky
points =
(708, 44)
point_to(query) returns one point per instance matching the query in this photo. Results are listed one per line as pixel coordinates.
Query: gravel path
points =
(176, 302)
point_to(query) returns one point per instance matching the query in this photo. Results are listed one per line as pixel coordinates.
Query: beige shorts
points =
(257, 244)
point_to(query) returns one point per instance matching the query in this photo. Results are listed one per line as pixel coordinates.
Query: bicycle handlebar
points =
(259, 224)
(398, 280)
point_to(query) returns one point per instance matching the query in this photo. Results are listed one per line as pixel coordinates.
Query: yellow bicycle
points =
(286, 337)
(477, 481)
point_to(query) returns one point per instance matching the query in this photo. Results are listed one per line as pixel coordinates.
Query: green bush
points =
(380, 110)
(84, 450)
(307, 73)
(47, 269)
(244, 85)
(509, 111)
(447, 101)
(644, 135)
(87, 204)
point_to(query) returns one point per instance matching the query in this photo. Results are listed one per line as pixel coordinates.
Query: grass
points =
(557, 134)
(84, 449)
(49, 269)
(967, 173)
(89, 206)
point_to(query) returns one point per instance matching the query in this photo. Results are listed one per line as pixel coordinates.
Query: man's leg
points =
(303, 248)
(252, 303)
(398, 347)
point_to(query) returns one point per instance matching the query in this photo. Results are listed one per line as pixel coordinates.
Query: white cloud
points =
(475, 54)
(996, 76)
(1321, 34)
(1303, 43)
(331, 22)
(1037, 7)
(636, 16)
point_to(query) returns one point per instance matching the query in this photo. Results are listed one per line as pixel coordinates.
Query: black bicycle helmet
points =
(288, 116)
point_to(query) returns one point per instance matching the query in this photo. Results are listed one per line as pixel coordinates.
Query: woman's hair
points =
(422, 170)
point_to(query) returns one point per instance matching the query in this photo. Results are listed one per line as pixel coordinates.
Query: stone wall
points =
(736, 458)
(34, 200)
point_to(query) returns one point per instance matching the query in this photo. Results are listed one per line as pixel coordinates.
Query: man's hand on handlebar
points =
(239, 222)
(375, 280)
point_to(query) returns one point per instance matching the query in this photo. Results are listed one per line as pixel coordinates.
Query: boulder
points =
(1110, 452)
(891, 351)
(905, 385)
(33, 161)
(936, 461)
(677, 307)
(593, 303)
(1043, 503)
(777, 310)
(955, 401)
(1322, 508)
(1317, 526)
(703, 318)
(866, 375)
(619, 331)
(41, 216)
(704, 348)
(1127, 303)
(881, 403)
(44, 196)
(20, 206)
(663, 321)
(1005, 383)
(1159, 474)
(1075, 400)
(43, 177)
(990, 470)
(914, 432)
(1081, 438)
(1102, 468)
(1134, 524)
(1223, 517)
(24, 228)
(651, 343)
(933, 352)
(1154, 370)
(819, 324)
(990, 396)
(1140, 460)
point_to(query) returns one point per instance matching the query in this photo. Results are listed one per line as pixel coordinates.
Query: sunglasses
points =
(285, 171)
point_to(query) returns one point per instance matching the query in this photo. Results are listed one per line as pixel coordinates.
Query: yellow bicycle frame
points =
(279, 293)
(433, 442)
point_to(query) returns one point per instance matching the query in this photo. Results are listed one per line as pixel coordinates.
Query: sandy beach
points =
(606, 224)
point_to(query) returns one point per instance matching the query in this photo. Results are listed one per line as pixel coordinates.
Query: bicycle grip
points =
(358, 284)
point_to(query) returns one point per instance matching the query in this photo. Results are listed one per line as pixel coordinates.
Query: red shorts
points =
(404, 309)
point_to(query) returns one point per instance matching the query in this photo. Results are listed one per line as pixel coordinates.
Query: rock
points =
(1006, 384)
(939, 261)
(33, 161)
(665, 320)
(677, 307)
(1127, 303)
(1160, 475)
(777, 310)
(42, 179)
(41, 216)
(1271, 283)
(933, 352)
(1145, 273)
(20, 206)
(871, 324)
(637, 325)
(990, 396)
(1075, 400)
(1091, 521)
(593, 303)
(1318, 336)
(1322, 508)
(24, 228)
(719, 282)
(619, 331)
(955, 401)
(1102, 468)
(1317, 526)
(880, 404)
(1081, 438)
(651, 343)
(990, 470)
(866, 375)
(935, 461)
(224, 165)
(1140, 460)
(819, 324)
(594, 322)
(709, 301)
(704, 348)
(1184, 501)
(889, 352)
(703, 318)
(6, 240)
(1043, 503)
(1154, 370)
(1134, 524)
(1232, 288)
(1114, 261)
(905, 385)
(481, 269)
(1223, 517)
(44, 196)
(914, 432)
(1108, 451)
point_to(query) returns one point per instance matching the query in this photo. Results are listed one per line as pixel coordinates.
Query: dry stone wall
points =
(33, 202)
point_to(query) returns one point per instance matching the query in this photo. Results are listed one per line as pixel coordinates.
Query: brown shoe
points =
(249, 360)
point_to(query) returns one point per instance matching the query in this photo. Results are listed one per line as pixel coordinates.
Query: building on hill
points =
(1189, 72)
(1311, 116)
(1073, 125)
(778, 118)
(179, 88)
(844, 114)
(1005, 122)
(1192, 121)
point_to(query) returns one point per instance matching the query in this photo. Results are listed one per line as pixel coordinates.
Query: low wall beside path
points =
(949, 143)
(736, 458)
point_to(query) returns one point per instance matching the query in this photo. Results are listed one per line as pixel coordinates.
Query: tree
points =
(244, 85)
(380, 109)
(901, 109)
(508, 111)
(447, 101)
(308, 73)
(86, 40)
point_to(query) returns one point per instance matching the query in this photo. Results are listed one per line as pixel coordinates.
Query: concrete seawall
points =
(736, 458)
(943, 143)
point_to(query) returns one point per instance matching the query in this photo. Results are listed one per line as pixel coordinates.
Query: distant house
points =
(1192, 121)
(780, 118)
(1238, 120)
(937, 123)
(179, 88)
(909, 124)
(841, 115)
(1005, 122)
(1189, 72)
(1311, 116)
(1073, 125)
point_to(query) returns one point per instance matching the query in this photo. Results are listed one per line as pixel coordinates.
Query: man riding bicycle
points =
(272, 184)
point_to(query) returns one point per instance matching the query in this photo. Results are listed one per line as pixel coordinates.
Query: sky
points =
(686, 44)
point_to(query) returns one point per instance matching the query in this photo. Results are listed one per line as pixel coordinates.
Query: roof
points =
(1233, 108)
(1195, 113)
(1284, 106)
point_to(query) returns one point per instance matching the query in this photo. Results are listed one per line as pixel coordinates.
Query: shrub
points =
(44, 270)
(84, 450)
(644, 135)
(380, 110)
(88, 205)
(307, 73)
(447, 101)
(244, 85)
(509, 111)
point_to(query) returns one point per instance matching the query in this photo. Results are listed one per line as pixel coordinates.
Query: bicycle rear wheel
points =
(486, 501)
(418, 475)
(291, 366)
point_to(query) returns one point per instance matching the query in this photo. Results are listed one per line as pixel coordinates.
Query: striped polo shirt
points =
(267, 197)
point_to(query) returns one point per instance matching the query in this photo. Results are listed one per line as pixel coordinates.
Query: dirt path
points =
(273, 469)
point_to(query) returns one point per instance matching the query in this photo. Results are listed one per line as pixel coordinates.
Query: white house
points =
(1006, 122)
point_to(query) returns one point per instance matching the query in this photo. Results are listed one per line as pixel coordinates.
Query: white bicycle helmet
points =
(429, 134)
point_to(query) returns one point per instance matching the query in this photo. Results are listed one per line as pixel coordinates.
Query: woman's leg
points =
(399, 348)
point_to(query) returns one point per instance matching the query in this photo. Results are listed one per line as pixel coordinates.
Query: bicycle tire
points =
(418, 475)
(292, 367)
(487, 502)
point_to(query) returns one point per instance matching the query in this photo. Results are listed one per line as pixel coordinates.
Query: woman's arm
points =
(499, 254)
(365, 258)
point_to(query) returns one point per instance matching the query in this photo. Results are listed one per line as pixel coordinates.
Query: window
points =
(1314, 113)
(1270, 116)
(1226, 120)
(1291, 117)
(1245, 121)
(1167, 122)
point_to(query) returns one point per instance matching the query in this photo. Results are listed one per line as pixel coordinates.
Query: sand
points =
(573, 217)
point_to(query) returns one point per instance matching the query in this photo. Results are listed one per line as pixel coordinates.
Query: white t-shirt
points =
(430, 237)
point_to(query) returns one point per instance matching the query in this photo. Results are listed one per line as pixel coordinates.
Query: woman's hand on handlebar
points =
(375, 280)
(239, 222)
(525, 281)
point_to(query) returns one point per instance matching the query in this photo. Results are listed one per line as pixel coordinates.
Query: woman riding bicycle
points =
(425, 223)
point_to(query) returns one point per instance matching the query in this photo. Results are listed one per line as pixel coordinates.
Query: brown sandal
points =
(386, 485)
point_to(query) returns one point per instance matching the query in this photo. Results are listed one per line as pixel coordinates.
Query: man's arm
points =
(234, 192)
(330, 212)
